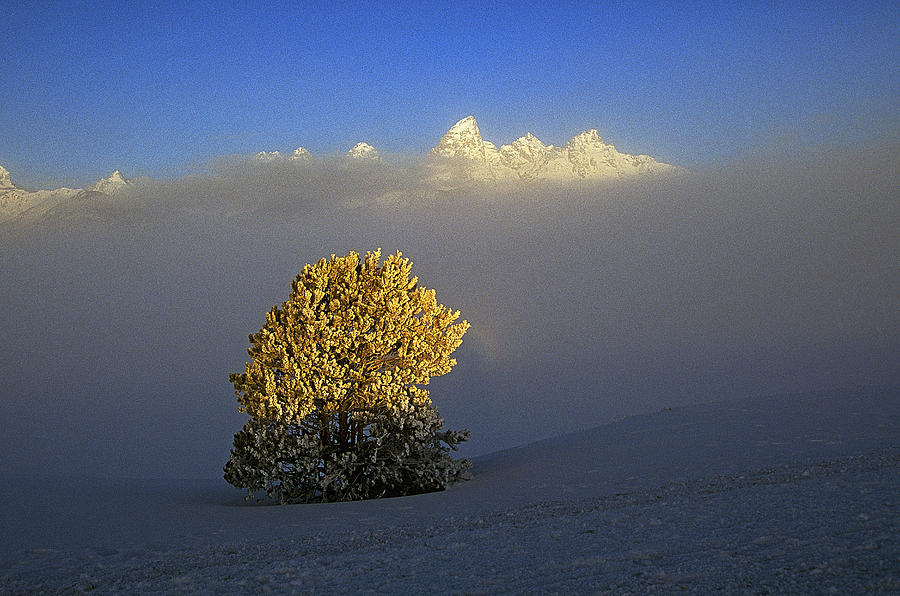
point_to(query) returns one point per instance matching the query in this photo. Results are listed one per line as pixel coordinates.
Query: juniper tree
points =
(334, 387)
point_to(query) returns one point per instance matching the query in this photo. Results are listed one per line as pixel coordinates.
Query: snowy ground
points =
(774, 495)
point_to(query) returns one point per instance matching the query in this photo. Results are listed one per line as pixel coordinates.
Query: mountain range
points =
(462, 153)
(16, 201)
(461, 156)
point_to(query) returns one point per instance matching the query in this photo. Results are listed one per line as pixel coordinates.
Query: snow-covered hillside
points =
(787, 494)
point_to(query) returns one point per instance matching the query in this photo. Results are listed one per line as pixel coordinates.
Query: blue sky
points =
(159, 90)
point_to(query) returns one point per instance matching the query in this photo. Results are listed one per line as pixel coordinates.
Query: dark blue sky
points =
(94, 86)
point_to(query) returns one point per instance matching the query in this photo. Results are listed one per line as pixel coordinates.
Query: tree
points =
(334, 387)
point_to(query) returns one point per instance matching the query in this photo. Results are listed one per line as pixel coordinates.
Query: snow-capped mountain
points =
(268, 156)
(363, 151)
(5, 180)
(462, 154)
(464, 140)
(15, 201)
(300, 153)
(110, 184)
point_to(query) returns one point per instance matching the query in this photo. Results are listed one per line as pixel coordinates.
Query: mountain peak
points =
(588, 136)
(300, 153)
(363, 151)
(267, 155)
(463, 140)
(110, 184)
(585, 156)
(528, 141)
(5, 181)
(464, 127)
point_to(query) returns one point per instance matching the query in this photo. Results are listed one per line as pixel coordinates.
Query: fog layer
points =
(123, 316)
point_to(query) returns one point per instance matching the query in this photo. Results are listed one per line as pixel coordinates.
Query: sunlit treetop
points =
(355, 336)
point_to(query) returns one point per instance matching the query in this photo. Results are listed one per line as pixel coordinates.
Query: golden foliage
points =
(354, 337)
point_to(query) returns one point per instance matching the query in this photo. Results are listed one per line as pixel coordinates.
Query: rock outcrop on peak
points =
(363, 151)
(463, 155)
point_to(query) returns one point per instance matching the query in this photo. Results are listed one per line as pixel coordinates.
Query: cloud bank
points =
(124, 315)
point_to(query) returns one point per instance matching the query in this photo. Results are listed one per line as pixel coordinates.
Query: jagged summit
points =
(527, 156)
(529, 145)
(467, 125)
(462, 140)
(110, 184)
(585, 156)
(470, 156)
(300, 153)
(363, 151)
(465, 129)
(587, 137)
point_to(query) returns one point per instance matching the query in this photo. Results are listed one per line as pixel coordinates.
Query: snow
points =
(463, 155)
(268, 156)
(300, 153)
(462, 140)
(363, 151)
(771, 495)
(465, 127)
(15, 201)
(109, 185)
(5, 180)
